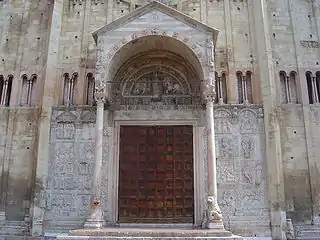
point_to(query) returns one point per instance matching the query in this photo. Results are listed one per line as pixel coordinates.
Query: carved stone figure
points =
(227, 147)
(247, 146)
(258, 179)
(227, 176)
(140, 88)
(213, 211)
(171, 88)
(100, 86)
(247, 176)
(289, 230)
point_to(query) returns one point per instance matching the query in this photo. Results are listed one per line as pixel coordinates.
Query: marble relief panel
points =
(240, 161)
(71, 164)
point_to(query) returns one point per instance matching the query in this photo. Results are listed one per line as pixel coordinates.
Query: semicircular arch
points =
(146, 40)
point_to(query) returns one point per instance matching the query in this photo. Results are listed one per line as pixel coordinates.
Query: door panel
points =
(156, 174)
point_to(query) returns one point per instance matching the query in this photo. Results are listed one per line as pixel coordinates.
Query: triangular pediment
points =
(156, 6)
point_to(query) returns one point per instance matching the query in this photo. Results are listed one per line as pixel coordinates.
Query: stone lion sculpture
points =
(213, 210)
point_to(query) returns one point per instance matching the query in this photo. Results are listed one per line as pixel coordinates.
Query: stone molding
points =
(85, 114)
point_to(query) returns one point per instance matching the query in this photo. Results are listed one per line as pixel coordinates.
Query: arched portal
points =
(154, 89)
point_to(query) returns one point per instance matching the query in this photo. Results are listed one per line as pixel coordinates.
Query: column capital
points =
(99, 97)
(99, 93)
(209, 93)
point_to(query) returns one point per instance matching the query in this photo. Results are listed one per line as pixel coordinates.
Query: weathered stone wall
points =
(23, 42)
(23, 48)
(242, 175)
(295, 161)
(18, 147)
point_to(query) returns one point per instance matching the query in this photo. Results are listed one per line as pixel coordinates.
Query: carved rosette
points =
(209, 93)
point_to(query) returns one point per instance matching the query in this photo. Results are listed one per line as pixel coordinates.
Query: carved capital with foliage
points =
(99, 94)
(209, 93)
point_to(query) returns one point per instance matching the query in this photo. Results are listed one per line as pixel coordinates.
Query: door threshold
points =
(156, 225)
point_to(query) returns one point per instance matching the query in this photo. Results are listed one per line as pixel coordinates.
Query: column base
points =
(95, 219)
(94, 224)
(316, 220)
(215, 225)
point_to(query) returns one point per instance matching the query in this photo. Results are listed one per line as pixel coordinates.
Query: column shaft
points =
(211, 156)
(95, 218)
(214, 216)
(98, 151)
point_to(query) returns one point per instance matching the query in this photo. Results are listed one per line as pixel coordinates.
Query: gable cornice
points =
(154, 5)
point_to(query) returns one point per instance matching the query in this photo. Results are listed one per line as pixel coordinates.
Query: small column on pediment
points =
(95, 218)
(213, 213)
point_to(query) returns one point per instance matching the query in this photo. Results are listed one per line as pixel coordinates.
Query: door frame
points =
(198, 166)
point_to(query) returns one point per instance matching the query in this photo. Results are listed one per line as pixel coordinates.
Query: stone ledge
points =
(66, 237)
(151, 232)
(144, 238)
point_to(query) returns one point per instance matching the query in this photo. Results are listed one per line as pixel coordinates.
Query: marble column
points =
(95, 217)
(214, 216)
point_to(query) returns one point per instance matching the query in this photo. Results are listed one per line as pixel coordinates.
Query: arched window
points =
(221, 88)
(248, 87)
(216, 100)
(1, 87)
(224, 87)
(318, 82)
(69, 87)
(283, 87)
(239, 86)
(312, 88)
(293, 95)
(5, 86)
(288, 87)
(244, 87)
(28, 90)
(90, 89)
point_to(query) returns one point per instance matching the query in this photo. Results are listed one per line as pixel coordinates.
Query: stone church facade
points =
(145, 109)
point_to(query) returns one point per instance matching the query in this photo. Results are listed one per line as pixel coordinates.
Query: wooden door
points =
(156, 174)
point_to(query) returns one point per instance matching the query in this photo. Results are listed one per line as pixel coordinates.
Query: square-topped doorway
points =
(156, 174)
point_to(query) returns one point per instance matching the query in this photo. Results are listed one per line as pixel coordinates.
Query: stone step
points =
(307, 232)
(145, 238)
(14, 230)
(62, 237)
(152, 233)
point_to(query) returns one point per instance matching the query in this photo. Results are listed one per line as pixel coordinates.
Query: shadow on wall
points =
(16, 196)
(298, 199)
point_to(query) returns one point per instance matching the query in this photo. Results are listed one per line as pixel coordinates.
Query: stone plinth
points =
(150, 233)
